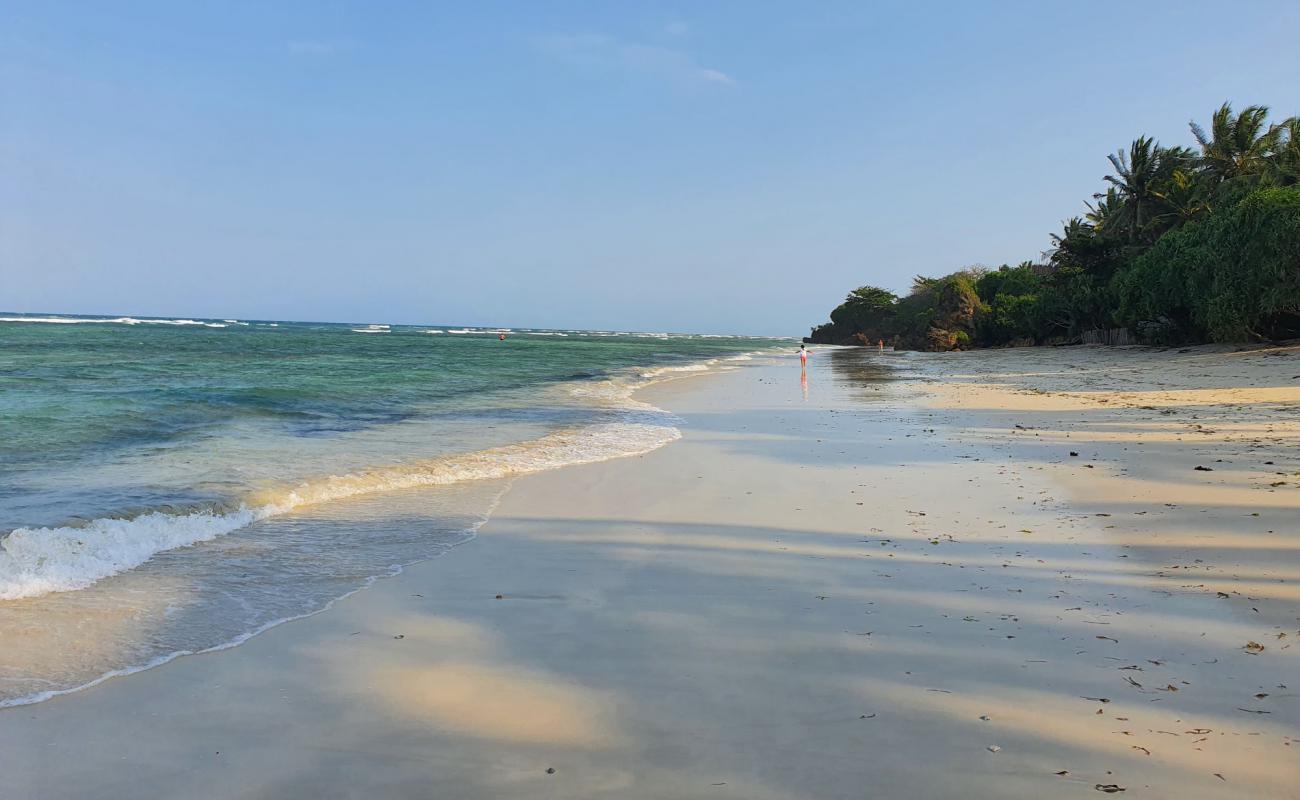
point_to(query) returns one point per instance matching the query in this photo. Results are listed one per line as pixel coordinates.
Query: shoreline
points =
(245, 516)
(722, 616)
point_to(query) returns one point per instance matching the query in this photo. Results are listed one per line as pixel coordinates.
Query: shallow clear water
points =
(169, 486)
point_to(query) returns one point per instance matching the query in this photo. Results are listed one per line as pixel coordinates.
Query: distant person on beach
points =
(803, 356)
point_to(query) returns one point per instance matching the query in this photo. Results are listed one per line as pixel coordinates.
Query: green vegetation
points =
(1183, 246)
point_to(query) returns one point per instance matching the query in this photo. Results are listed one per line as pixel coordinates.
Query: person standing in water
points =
(803, 370)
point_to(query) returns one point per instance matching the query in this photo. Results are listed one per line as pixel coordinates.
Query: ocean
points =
(174, 486)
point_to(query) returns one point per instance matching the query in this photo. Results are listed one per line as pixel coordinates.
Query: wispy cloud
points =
(607, 52)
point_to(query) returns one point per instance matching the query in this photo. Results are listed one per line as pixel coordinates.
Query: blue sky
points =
(720, 166)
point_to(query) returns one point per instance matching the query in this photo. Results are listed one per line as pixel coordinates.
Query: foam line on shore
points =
(38, 561)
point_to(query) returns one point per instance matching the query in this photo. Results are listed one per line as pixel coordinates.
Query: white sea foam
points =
(64, 320)
(654, 373)
(183, 322)
(114, 321)
(37, 561)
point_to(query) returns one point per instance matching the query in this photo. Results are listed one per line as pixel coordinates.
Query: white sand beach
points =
(1004, 577)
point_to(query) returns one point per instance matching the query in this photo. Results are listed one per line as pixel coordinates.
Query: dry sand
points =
(875, 589)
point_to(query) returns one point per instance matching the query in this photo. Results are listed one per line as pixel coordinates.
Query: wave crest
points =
(37, 561)
(118, 321)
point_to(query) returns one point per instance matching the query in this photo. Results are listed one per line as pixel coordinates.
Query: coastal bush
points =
(1009, 318)
(867, 310)
(1233, 277)
(1182, 246)
(939, 314)
(1011, 306)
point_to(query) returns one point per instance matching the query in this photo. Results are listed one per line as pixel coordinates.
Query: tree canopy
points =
(1183, 245)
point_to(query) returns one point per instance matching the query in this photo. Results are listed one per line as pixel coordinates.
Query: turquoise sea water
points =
(171, 486)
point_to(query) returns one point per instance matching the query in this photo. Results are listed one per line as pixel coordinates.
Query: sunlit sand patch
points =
(1250, 751)
(1000, 397)
(479, 692)
(499, 702)
(1199, 495)
(1204, 484)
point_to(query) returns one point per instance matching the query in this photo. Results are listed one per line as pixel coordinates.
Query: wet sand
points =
(859, 588)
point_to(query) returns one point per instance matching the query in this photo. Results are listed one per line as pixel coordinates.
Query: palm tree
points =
(1138, 175)
(1284, 166)
(1072, 228)
(1108, 209)
(1183, 198)
(1236, 145)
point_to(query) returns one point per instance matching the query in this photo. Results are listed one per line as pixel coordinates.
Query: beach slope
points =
(856, 587)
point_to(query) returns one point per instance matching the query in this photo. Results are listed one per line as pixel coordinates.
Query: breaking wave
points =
(37, 561)
(118, 321)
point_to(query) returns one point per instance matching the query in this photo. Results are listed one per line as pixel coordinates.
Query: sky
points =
(730, 167)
